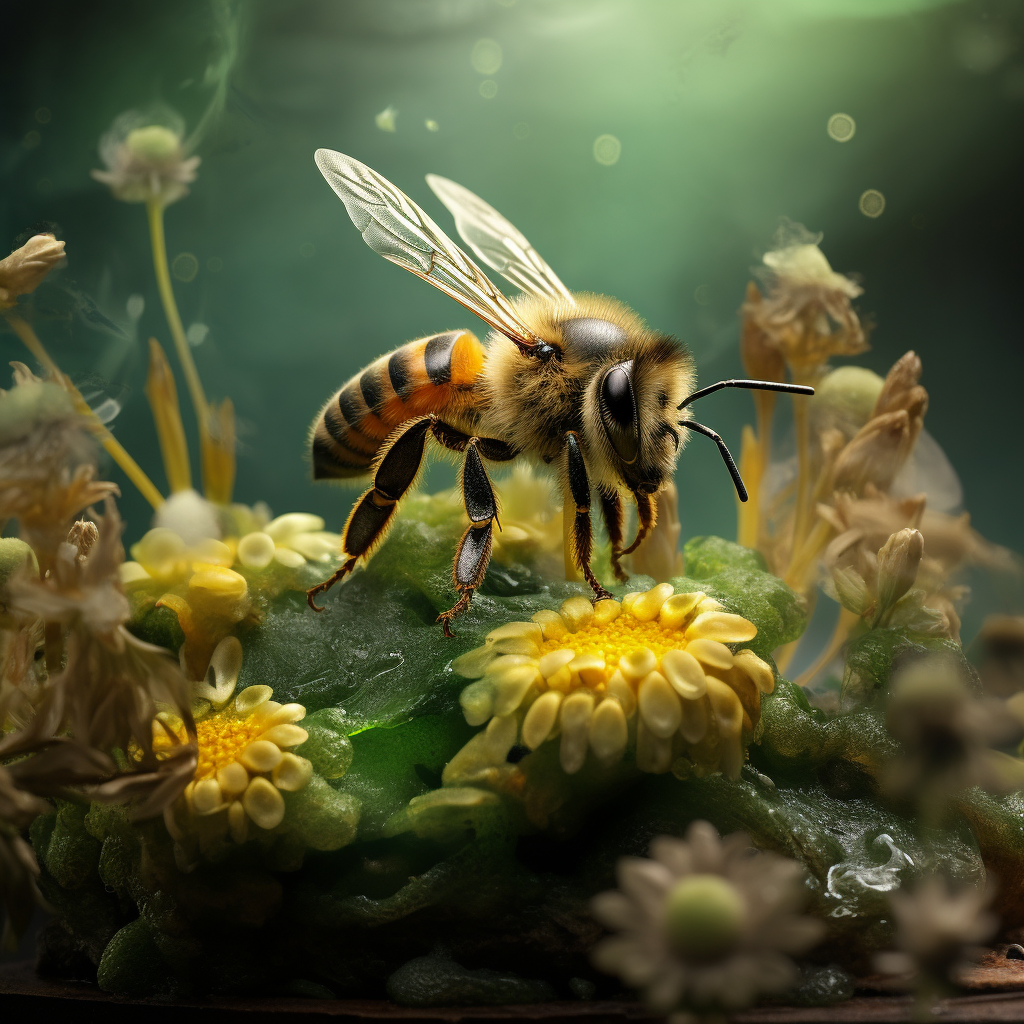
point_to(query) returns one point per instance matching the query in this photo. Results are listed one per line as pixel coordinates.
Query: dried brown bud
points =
(23, 271)
(898, 562)
(82, 536)
(761, 358)
(875, 454)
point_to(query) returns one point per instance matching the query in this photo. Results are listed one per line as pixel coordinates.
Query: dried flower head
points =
(19, 895)
(705, 923)
(939, 924)
(587, 673)
(146, 159)
(24, 270)
(805, 312)
(946, 734)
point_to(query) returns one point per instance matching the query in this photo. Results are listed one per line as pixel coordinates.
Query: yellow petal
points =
(281, 528)
(540, 719)
(677, 609)
(589, 667)
(256, 550)
(210, 551)
(251, 698)
(758, 671)
(659, 705)
(238, 822)
(159, 550)
(132, 572)
(711, 653)
(515, 645)
(728, 713)
(517, 630)
(608, 730)
(630, 599)
(577, 613)
(477, 701)
(288, 558)
(552, 624)
(261, 756)
(618, 688)
(553, 661)
(267, 715)
(722, 626)
(638, 664)
(653, 753)
(263, 803)
(575, 719)
(647, 606)
(696, 716)
(512, 686)
(684, 673)
(562, 680)
(207, 797)
(292, 773)
(216, 581)
(606, 611)
(285, 735)
(232, 779)
(474, 663)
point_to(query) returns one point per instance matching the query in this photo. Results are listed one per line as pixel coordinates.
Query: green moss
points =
(439, 981)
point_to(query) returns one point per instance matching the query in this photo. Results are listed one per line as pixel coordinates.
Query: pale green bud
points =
(154, 143)
(704, 916)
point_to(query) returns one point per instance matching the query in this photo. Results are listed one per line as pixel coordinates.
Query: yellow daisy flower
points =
(653, 670)
(245, 763)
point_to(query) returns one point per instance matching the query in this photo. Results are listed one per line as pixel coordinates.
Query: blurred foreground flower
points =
(591, 674)
(705, 924)
(24, 270)
(145, 158)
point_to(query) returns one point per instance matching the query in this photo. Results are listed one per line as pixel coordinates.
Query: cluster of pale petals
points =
(249, 787)
(291, 540)
(668, 702)
(764, 895)
(148, 163)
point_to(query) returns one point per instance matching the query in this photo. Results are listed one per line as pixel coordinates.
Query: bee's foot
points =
(458, 608)
(322, 588)
(602, 595)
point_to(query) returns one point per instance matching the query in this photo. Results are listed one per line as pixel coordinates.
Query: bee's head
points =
(631, 413)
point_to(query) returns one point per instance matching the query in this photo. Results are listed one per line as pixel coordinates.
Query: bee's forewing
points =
(394, 226)
(498, 242)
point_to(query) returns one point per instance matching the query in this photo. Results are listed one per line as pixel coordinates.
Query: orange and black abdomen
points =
(432, 375)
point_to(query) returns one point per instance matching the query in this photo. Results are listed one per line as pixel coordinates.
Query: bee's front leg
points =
(474, 552)
(582, 531)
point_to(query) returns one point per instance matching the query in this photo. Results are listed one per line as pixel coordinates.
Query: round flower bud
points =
(154, 143)
(704, 916)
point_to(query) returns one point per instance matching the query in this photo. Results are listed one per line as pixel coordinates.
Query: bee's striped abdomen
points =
(426, 376)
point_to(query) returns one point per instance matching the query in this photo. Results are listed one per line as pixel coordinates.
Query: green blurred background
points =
(720, 108)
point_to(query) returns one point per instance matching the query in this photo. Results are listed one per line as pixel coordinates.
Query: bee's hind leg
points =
(582, 530)
(474, 551)
(370, 520)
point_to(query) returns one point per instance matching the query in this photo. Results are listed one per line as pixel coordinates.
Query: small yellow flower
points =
(291, 540)
(245, 762)
(654, 670)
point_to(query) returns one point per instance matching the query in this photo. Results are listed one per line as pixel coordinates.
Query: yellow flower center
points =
(614, 639)
(222, 738)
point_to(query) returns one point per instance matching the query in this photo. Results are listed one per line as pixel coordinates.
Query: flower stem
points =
(155, 216)
(844, 624)
(114, 448)
(803, 477)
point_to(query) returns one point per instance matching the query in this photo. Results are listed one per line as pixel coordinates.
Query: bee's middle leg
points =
(373, 514)
(611, 509)
(647, 516)
(582, 531)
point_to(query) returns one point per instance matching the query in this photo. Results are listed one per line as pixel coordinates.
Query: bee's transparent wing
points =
(393, 225)
(497, 242)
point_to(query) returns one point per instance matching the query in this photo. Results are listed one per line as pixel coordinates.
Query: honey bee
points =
(575, 380)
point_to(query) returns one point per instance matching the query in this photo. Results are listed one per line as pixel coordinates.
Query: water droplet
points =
(486, 56)
(185, 266)
(607, 150)
(842, 127)
(872, 203)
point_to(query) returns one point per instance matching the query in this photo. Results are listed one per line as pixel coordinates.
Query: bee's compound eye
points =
(618, 411)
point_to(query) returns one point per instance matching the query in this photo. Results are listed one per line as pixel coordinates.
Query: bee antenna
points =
(751, 385)
(730, 462)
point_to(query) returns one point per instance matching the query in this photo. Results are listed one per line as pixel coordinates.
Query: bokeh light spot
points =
(431, 125)
(486, 57)
(521, 130)
(44, 186)
(488, 88)
(43, 115)
(214, 264)
(307, 249)
(702, 294)
(31, 139)
(185, 266)
(196, 334)
(607, 150)
(135, 306)
(841, 127)
(872, 203)
(386, 119)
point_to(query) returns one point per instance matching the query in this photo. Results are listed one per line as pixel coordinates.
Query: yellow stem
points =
(748, 513)
(846, 621)
(803, 559)
(155, 215)
(163, 401)
(803, 475)
(114, 448)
